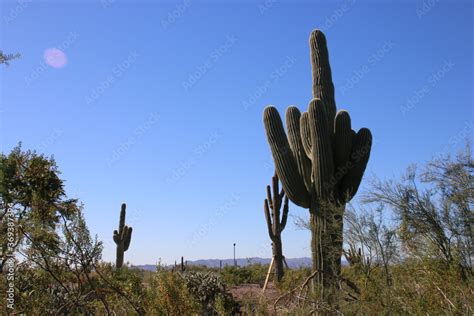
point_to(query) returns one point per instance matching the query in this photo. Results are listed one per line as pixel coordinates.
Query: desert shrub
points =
(258, 273)
(293, 278)
(199, 268)
(425, 286)
(122, 289)
(225, 305)
(169, 295)
(251, 274)
(235, 275)
(252, 305)
(210, 292)
(430, 286)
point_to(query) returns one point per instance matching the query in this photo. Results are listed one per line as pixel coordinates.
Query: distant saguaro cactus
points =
(272, 207)
(353, 256)
(320, 162)
(122, 238)
(183, 267)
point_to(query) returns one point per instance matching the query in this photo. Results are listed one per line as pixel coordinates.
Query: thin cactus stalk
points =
(320, 162)
(276, 224)
(122, 238)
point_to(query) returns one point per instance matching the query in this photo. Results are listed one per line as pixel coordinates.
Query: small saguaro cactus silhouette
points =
(122, 237)
(353, 256)
(183, 267)
(272, 206)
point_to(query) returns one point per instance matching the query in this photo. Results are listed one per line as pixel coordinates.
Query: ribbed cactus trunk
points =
(320, 161)
(122, 238)
(326, 247)
(277, 250)
(119, 256)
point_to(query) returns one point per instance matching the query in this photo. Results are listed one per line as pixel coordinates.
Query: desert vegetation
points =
(407, 247)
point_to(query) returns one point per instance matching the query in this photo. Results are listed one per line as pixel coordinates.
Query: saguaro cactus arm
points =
(305, 134)
(293, 117)
(285, 163)
(342, 139)
(123, 208)
(128, 237)
(116, 237)
(268, 219)
(284, 216)
(358, 162)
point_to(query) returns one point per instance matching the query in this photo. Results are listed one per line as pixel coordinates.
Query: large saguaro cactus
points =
(122, 238)
(320, 162)
(272, 207)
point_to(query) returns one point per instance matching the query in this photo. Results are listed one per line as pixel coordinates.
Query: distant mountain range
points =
(293, 263)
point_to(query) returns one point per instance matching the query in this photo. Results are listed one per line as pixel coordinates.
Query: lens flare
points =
(55, 58)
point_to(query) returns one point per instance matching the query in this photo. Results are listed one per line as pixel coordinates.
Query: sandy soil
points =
(249, 295)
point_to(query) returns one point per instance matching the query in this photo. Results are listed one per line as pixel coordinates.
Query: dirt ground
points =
(250, 296)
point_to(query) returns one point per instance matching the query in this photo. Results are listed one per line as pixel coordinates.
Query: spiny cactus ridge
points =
(122, 237)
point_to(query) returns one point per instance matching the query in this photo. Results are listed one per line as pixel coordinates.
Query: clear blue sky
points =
(160, 104)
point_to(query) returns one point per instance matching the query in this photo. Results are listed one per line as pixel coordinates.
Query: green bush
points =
(122, 289)
(293, 278)
(169, 295)
(251, 274)
(210, 292)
